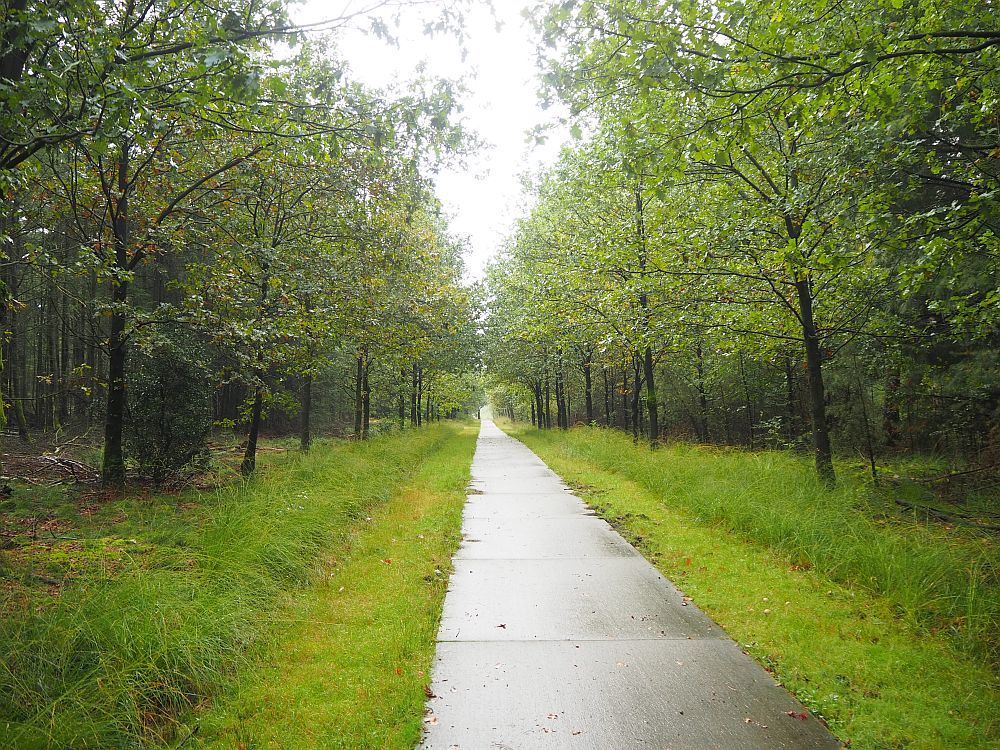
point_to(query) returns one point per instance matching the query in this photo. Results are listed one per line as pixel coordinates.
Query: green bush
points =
(170, 407)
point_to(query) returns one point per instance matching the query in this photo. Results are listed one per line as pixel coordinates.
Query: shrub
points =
(170, 406)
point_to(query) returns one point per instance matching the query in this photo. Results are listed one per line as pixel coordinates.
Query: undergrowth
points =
(858, 612)
(347, 664)
(943, 579)
(117, 655)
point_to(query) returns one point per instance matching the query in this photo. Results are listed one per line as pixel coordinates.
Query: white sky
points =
(484, 198)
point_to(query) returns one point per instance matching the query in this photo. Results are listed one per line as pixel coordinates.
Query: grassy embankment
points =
(886, 628)
(352, 663)
(164, 602)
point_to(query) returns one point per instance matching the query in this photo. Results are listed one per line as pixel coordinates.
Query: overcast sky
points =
(484, 198)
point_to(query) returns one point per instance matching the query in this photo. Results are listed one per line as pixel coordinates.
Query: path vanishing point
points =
(556, 633)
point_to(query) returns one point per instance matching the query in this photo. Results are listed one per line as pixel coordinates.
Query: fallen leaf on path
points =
(800, 715)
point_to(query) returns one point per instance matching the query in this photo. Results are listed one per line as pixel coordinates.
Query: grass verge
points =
(114, 657)
(777, 561)
(348, 661)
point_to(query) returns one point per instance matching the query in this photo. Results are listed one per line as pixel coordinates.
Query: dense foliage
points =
(778, 224)
(168, 174)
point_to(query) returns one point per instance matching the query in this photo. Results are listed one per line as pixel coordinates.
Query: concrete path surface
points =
(556, 633)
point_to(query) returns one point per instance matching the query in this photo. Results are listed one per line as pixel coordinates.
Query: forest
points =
(201, 232)
(750, 313)
(776, 228)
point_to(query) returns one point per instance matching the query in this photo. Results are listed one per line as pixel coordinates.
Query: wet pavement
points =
(556, 633)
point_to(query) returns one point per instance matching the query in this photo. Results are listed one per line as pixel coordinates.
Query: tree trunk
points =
(651, 405)
(636, 393)
(402, 399)
(359, 406)
(747, 401)
(891, 422)
(427, 403)
(647, 354)
(561, 415)
(413, 398)
(250, 455)
(366, 401)
(588, 385)
(625, 397)
(420, 396)
(817, 392)
(540, 411)
(305, 434)
(607, 397)
(64, 362)
(790, 399)
(113, 468)
(548, 403)
(703, 429)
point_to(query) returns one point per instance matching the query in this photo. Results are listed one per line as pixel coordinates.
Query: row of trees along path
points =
(775, 225)
(196, 229)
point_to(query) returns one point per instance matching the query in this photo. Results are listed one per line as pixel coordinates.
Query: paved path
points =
(556, 633)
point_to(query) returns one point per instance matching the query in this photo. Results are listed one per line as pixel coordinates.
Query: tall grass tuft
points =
(112, 662)
(775, 498)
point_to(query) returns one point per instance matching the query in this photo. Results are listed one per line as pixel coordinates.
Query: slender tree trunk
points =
(727, 422)
(413, 398)
(16, 390)
(427, 404)
(359, 396)
(366, 400)
(250, 455)
(817, 391)
(891, 422)
(651, 405)
(64, 362)
(607, 397)
(560, 395)
(113, 469)
(747, 401)
(588, 385)
(402, 399)
(814, 355)
(705, 436)
(626, 417)
(636, 394)
(13, 59)
(790, 400)
(548, 403)
(539, 410)
(12, 348)
(92, 354)
(532, 412)
(647, 353)
(420, 396)
(305, 434)
(869, 440)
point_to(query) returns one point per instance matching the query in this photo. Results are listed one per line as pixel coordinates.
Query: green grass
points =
(160, 613)
(348, 660)
(880, 626)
